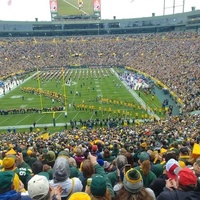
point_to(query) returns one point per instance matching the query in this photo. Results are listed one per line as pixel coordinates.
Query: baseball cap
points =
(143, 156)
(38, 187)
(8, 162)
(79, 196)
(6, 180)
(171, 165)
(98, 185)
(187, 177)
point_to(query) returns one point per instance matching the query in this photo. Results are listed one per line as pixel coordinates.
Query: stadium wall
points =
(167, 23)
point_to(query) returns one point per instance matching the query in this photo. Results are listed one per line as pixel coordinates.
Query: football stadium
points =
(99, 99)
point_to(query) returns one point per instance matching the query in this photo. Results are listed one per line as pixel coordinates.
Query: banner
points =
(97, 7)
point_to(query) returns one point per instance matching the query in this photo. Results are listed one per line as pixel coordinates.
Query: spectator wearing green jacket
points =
(120, 162)
(100, 184)
(145, 169)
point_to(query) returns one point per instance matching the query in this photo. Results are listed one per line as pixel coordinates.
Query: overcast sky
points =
(25, 10)
(143, 8)
(28, 10)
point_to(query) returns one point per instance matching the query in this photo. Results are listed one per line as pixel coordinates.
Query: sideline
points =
(135, 95)
(15, 84)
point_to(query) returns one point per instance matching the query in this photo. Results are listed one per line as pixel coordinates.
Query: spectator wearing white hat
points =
(159, 183)
(39, 189)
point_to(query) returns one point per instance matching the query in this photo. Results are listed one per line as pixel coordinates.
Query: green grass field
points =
(96, 89)
(70, 7)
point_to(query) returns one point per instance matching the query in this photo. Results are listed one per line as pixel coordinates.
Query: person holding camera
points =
(184, 187)
(99, 186)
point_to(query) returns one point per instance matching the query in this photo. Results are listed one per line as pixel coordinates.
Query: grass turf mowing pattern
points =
(95, 87)
(70, 7)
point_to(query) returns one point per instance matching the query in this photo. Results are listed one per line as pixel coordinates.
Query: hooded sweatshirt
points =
(61, 173)
(178, 195)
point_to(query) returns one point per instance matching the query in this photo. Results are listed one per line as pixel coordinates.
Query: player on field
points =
(80, 4)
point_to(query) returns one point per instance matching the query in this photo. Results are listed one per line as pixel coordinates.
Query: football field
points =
(87, 93)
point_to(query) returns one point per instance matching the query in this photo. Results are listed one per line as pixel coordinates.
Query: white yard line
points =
(22, 119)
(59, 115)
(6, 119)
(41, 117)
(75, 115)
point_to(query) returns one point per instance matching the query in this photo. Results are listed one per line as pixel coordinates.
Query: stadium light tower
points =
(174, 6)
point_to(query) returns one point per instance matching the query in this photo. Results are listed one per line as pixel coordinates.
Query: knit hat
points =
(79, 196)
(50, 156)
(94, 148)
(101, 162)
(38, 187)
(98, 185)
(6, 180)
(171, 165)
(187, 177)
(143, 156)
(29, 152)
(63, 153)
(133, 181)
(144, 145)
(61, 170)
(8, 162)
(44, 150)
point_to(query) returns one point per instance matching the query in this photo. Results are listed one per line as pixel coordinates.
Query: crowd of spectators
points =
(172, 58)
(154, 160)
(123, 162)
